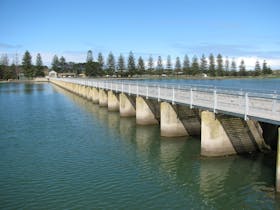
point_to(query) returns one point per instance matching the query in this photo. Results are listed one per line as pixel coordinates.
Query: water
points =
(244, 84)
(59, 151)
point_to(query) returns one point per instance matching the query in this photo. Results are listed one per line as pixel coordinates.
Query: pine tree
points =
(27, 65)
(150, 64)
(131, 67)
(195, 66)
(168, 64)
(226, 66)
(100, 61)
(91, 67)
(220, 65)
(141, 66)
(233, 68)
(178, 66)
(121, 65)
(62, 64)
(111, 64)
(265, 69)
(242, 68)
(212, 70)
(203, 64)
(4, 60)
(159, 65)
(4, 67)
(257, 69)
(89, 56)
(186, 65)
(39, 66)
(55, 64)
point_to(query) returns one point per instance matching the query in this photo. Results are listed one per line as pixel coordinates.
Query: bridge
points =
(229, 121)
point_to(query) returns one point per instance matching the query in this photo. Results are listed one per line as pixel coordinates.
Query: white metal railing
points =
(265, 106)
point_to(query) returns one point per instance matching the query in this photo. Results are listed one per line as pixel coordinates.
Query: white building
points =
(52, 74)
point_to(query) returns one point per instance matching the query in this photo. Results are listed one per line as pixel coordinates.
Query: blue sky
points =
(246, 29)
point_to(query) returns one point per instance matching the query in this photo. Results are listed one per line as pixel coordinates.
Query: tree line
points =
(14, 70)
(212, 66)
(122, 67)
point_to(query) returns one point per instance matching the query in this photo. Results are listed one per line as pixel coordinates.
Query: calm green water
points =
(59, 151)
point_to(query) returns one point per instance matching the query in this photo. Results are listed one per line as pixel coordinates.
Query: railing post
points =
(122, 87)
(129, 89)
(191, 98)
(173, 96)
(158, 93)
(147, 92)
(274, 102)
(246, 106)
(215, 101)
(137, 90)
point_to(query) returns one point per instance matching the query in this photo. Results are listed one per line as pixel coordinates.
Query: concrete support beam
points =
(95, 95)
(113, 102)
(144, 114)
(170, 125)
(126, 107)
(88, 93)
(214, 140)
(103, 98)
(278, 164)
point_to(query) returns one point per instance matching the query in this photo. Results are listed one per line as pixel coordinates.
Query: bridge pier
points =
(103, 98)
(170, 124)
(146, 111)
(95, 95)
(278, 164)
(88, 93)
(127, 105)
(113, 101)
(226, 135)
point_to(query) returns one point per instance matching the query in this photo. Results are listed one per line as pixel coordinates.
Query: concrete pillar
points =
(84, 91)
(214, 140)
(278, 164)
(113, 101)
(76, 89)
(144, 114)
(170, 124)
(126, 107)
(88, 93)
(95, 95)
(103, 98)
(226, 135)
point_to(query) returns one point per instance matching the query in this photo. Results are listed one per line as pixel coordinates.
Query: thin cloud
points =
(9, 46)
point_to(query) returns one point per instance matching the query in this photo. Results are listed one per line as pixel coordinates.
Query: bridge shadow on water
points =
(235, 181)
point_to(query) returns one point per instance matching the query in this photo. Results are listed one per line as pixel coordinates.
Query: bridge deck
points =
(254, 104)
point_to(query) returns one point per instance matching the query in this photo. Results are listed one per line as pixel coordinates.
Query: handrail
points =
(259, 104)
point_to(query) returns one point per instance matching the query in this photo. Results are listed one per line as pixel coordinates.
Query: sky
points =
(239, 29)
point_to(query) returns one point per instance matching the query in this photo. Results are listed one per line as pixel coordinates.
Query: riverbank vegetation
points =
(204, 66)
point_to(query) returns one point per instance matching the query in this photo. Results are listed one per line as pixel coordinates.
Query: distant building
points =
(53, 74)
(66, 74)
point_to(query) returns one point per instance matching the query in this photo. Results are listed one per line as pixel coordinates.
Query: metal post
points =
(147, 92)
(129, 89)
(158, 93)
(246, 106)
(215, 101)
(122, 87)
(137, 90)
(191, 98)
(173, 96)
(274, 102)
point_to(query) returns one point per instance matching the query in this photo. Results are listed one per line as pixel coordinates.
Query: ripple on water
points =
(59, 151)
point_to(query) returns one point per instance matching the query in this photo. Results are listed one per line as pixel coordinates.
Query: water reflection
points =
(224, 177)
(239, 182)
